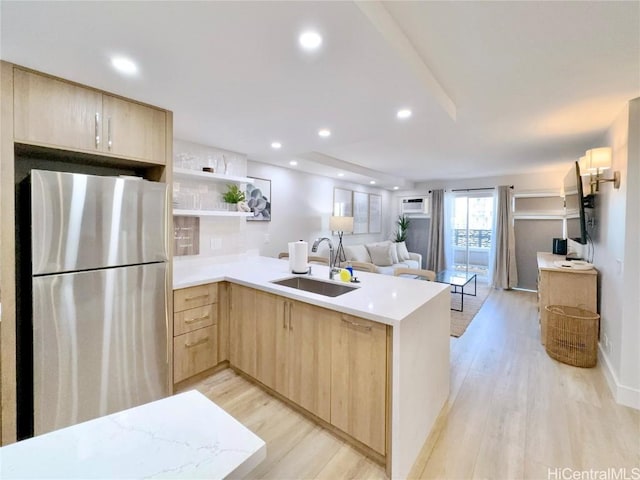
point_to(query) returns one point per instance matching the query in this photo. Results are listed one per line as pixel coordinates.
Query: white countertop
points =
(183, 436)
(381, 298)
(547, 261)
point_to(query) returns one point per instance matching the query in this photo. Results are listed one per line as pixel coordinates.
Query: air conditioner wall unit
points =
(415, 206)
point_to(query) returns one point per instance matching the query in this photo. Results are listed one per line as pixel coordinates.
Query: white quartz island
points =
(417, 311)
(183, 436)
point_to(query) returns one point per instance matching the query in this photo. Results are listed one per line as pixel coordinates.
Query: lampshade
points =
(598, 159)
(584, 165)
(341, 224)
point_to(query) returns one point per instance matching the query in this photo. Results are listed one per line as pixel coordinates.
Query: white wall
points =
(616, 257)
(539, 181)
(301, 205)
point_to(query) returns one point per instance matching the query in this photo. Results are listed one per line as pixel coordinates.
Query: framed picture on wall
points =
(259, 199)
(360, 212)
(342, 202)
(375, 213)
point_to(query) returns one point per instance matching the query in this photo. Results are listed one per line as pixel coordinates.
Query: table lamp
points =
(341, 225)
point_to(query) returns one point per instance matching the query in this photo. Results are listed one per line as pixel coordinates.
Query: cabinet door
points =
(271, 336)
(194, 352)
(242, 329)
(309, 358)
(359, 379)
(133, 130)
(56, 113)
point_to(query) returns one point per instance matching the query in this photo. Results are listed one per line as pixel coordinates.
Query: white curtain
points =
(502, 267)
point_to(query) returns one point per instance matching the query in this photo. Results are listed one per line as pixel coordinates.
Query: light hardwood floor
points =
(512, 413)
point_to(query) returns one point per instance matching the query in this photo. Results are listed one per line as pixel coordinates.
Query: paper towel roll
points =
(298, 257)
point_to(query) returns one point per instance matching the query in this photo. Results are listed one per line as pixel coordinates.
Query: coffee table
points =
(458, 280)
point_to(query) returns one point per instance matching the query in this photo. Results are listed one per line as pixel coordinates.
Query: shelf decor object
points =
(341, 225)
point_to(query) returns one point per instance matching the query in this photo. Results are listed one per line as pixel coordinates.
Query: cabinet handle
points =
(290, 307)
(97, 129)
(195, 344)
(284, 316)
(196, 296)
(196, 319)
(355, 324)
(109, 142)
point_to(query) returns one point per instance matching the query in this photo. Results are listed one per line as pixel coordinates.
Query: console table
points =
(563, 286)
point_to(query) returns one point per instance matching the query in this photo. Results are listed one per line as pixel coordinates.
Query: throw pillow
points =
(357, 253)
(380, 254)
(394, 253)
(403, 253)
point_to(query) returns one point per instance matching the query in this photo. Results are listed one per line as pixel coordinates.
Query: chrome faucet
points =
(332, 269)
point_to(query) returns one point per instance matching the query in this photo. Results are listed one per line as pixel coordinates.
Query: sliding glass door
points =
(471, 235)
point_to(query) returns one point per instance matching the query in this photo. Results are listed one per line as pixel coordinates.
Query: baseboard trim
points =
(627, 396)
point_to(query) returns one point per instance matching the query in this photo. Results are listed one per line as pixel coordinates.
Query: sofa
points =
(384, 256)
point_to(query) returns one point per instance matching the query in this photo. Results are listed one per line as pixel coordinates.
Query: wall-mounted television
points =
(575, 205)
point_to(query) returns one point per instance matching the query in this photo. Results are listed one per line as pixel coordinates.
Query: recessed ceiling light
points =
(372, 182)
(310, 40)
(395, 188)
(404, 113)
(341, 174)
(276, 145)
(324, 132)
(293, 163)
(124, 65)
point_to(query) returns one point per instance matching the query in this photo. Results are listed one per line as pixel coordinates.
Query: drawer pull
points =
(195, 344)
(355, 324)
(196, 296)
(197, 319)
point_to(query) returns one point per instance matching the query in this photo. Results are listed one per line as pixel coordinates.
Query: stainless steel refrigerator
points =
(98, 255)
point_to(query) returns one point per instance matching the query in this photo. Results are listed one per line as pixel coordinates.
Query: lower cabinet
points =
(194, 352)
(359, 379)
(195, 330)
(331, 364)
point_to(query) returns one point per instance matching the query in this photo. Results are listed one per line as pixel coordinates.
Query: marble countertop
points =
(183, 436)
(381, 298)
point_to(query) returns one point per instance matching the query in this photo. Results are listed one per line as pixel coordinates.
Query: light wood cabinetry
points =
(55, 113)
(563, 286)
(332, 365)
(309, 357)
(195, 330)
(194, 352)
(133, 130)
(359, 379)
(242, 329)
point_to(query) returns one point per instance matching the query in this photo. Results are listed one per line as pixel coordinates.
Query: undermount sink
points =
(315, 286)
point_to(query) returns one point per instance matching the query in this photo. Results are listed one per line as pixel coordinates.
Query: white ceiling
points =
(532, 84)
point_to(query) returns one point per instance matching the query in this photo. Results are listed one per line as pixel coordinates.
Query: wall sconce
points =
(594, 163)
(341, 225)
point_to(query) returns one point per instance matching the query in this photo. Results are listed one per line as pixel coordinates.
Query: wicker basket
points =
(572, 335)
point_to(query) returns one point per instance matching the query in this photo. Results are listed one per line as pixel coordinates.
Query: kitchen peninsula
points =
(371, 365)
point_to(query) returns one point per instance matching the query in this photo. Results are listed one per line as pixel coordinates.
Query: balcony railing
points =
(476, 238)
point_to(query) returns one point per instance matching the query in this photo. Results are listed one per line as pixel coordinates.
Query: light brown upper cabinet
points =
(56, 113)
(53, 113)
(133, 130)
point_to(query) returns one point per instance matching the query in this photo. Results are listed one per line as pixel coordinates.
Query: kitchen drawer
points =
(194, 318)
(194, 352)
(192, 297)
